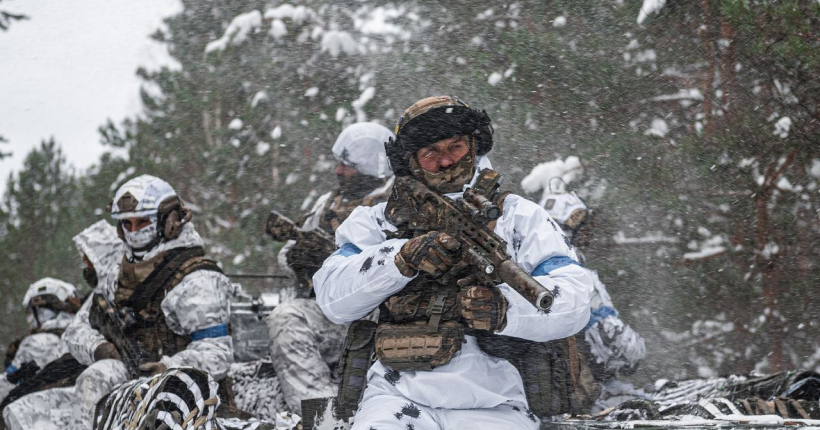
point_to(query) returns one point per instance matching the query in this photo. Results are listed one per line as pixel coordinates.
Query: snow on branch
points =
(658, 237)
(650, 6)
(237, 32)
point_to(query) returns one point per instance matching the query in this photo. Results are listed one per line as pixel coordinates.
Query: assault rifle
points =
(282, 229)
(105, 318)
(483, 252)
(311, 248)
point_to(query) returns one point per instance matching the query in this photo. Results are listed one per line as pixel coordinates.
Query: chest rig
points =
(421, 326)
(143, 286)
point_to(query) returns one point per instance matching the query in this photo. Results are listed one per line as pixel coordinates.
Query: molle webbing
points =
(166, 270)
(142, 290)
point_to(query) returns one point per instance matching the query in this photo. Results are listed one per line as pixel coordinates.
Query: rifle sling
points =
(170, 264)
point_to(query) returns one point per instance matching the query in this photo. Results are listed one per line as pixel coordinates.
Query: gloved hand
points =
(484, 308)
(433, 253)
(153, 368)
(105, 351)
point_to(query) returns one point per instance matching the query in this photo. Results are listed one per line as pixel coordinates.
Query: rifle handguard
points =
(514, 276)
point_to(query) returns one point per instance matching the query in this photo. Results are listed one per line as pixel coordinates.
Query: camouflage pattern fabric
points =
(181, 398)
(257, 390)
(104, 249)
(614, 346)
(201, 300)
(397, 413)
(305, 350)
(70, 408)
(41, 348)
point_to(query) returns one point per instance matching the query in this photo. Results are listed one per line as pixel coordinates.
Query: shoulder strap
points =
(161, 275)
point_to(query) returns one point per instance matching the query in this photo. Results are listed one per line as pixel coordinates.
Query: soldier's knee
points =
(102, 375)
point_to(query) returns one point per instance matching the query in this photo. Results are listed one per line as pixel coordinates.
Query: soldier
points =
(306, 346)
(50, 306)
(611, 347)
(434, 370)
(100, 250)
(174, 304)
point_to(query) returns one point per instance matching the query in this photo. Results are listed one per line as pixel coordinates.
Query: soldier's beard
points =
(449, 180)
(358, 185)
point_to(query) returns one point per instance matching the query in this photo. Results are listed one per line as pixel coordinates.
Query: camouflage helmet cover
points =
(56, 293)
(140, 197)
(432, 119)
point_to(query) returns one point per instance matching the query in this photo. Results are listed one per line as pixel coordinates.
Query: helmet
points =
(361, 146)
(572, 214)
(52, 294)
(432, 119)
(149, 196)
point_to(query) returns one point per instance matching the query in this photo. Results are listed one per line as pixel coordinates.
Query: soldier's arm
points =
(537, 244)
(41, 348)
(362, 273)
(613, 343)
(199, 307)
(80, 338)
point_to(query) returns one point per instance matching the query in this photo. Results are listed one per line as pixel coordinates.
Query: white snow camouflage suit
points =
(613, 346)
(64, 407)
(305, 346)
(200, 301)
(42, 347)
(474, 390)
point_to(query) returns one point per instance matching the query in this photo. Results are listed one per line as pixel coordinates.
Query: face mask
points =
(90, 276)
(359, 185)
(140, 240)
(449, 180)
(43, 315)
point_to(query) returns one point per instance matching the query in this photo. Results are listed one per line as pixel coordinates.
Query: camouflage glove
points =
(484, 308)
(433, 253)
(153, 368)
(106, 351)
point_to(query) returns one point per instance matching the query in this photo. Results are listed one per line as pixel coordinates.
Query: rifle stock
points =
(482, 249)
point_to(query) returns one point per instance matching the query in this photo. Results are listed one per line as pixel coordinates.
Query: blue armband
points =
(347, 250)
(11, 369)
(598, 314)
(553, 263)
(213, 331)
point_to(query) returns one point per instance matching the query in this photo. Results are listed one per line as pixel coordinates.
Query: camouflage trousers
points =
(389, 412)
(70, 408)
(305, 351)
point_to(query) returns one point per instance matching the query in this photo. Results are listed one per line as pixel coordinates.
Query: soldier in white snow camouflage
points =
(180, 314)
(612, 347)
(305, 346)
(390, 258)
(100, 250)
(50, 306)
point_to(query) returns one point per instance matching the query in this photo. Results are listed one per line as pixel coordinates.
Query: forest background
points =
(697, 125)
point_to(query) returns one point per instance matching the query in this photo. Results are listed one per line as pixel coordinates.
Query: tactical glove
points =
(433, 253)
(484, 308)
(153, 368)
(105, 351)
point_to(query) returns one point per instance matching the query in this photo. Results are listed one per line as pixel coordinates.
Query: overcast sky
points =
(69, 68)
